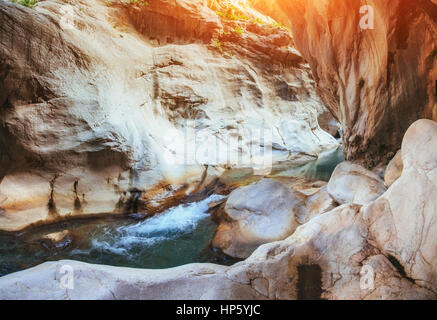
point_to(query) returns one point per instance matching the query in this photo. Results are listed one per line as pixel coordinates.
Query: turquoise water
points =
(178, 236)
(320, 169)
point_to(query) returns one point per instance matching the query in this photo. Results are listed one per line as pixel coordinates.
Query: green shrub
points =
(139, 3)
(238, 30)
(26, 3)
(232, 13)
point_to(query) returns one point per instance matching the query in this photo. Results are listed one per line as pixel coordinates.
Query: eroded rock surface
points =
(403, 222)
(256, 214)
(376, 81)
(197, 281)
(94, 111)
(266, 211)
(351, 183)
(322, 259)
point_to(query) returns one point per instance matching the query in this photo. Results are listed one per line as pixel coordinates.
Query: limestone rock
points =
(57, 240)
(327, 258)
(376, 81)
(256, 214)
(324, 258)
(197, 282)
(94, 114)
(328, 123)
(394, 169)
(266, 211)
(315, 205)
(351, 183)
(403, 221)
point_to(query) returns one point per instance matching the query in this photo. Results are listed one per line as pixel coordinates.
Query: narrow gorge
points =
(208, 149)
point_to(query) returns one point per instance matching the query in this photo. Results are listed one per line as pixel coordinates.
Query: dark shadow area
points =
(309, 284)
(399, 267)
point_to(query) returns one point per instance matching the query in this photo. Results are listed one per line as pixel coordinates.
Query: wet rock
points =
(351, 183)
(57, 241)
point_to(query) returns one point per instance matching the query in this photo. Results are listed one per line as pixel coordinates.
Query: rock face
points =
(384, 250)
(376, 82)
(327, 256)
(96, 102)
(351, 183)
(403, 222)
(394, 169)
(315, 205)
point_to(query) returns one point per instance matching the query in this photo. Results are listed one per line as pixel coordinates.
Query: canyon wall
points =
(376, 81)
(96, 98)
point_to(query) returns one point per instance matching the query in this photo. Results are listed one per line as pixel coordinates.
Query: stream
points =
(175, 237)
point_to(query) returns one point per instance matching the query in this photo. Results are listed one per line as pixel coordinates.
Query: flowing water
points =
(175, 237)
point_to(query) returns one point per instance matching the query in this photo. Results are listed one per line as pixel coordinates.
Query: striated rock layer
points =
(98, 99)
(376, 82)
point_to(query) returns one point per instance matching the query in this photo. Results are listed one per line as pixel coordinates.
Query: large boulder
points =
(351, 183)
(327, 258)
(256, 214)
(266, 211)
(394, 169)
(49, 281)
(403, 222)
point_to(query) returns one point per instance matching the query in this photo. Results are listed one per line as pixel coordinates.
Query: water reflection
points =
(320, 169)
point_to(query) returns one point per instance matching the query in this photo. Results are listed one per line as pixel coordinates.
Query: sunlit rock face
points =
(377, 81)
(98, 103)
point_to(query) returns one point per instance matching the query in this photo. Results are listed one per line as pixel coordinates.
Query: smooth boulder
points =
(351, 183)
(403, 222)
(256, 214)
(266, 211)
